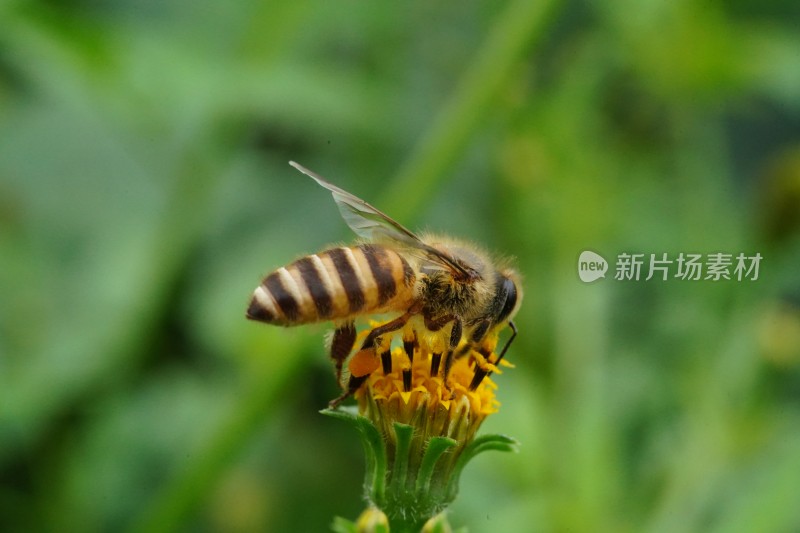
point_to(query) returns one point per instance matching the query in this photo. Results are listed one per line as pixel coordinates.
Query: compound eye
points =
(510, 289)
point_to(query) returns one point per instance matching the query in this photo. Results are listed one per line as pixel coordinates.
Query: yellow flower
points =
(418, 426)
(412, 394)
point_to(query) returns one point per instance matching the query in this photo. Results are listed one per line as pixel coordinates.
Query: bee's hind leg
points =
(342, 342)
(362, 358)
(352, 386)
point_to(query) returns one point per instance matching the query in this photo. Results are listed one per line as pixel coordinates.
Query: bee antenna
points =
(508, 342)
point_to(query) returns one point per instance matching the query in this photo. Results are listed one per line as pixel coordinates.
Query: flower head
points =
(418, 416)
(416, 392)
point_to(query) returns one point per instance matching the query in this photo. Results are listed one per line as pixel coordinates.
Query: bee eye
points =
(510, 291)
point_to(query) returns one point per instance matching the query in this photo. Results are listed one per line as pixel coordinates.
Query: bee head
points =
(509, 296)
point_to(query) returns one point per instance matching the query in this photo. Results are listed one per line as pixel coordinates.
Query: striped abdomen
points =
(334, 284)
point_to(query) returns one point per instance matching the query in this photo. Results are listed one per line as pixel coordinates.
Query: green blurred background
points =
(144, 190)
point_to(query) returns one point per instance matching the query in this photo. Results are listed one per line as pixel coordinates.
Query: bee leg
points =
(480, 331)
(434, 325)
(508, 342)
(394, 325)
(352, 386)
(436, 360)
(455, 338)
(355, 382)
(409, 343)
(476, 336)
(480, 328)
(481, 373)
(344, 337)
(386, 362)
(407, 380)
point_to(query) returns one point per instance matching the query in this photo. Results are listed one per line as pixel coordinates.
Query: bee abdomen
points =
(334, 284)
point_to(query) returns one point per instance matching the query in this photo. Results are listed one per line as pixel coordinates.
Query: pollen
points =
(363, 363)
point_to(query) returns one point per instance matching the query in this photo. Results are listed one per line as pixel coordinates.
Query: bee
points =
(447, 286)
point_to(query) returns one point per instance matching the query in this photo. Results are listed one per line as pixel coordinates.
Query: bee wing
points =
(367, 221)
(370, 223)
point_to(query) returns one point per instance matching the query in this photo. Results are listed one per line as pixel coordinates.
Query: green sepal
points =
(410, 477)
(403, 433)
(374, 448)
(483, 443)
(437, 446)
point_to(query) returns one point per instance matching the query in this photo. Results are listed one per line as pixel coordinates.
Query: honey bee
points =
(442, 284)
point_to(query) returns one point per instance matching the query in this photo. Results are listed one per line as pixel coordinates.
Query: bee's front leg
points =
(481, 373)
(479, 329)
(434, 325)
(455, 338)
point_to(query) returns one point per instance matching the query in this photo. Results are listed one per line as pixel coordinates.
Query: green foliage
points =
(144, 188)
